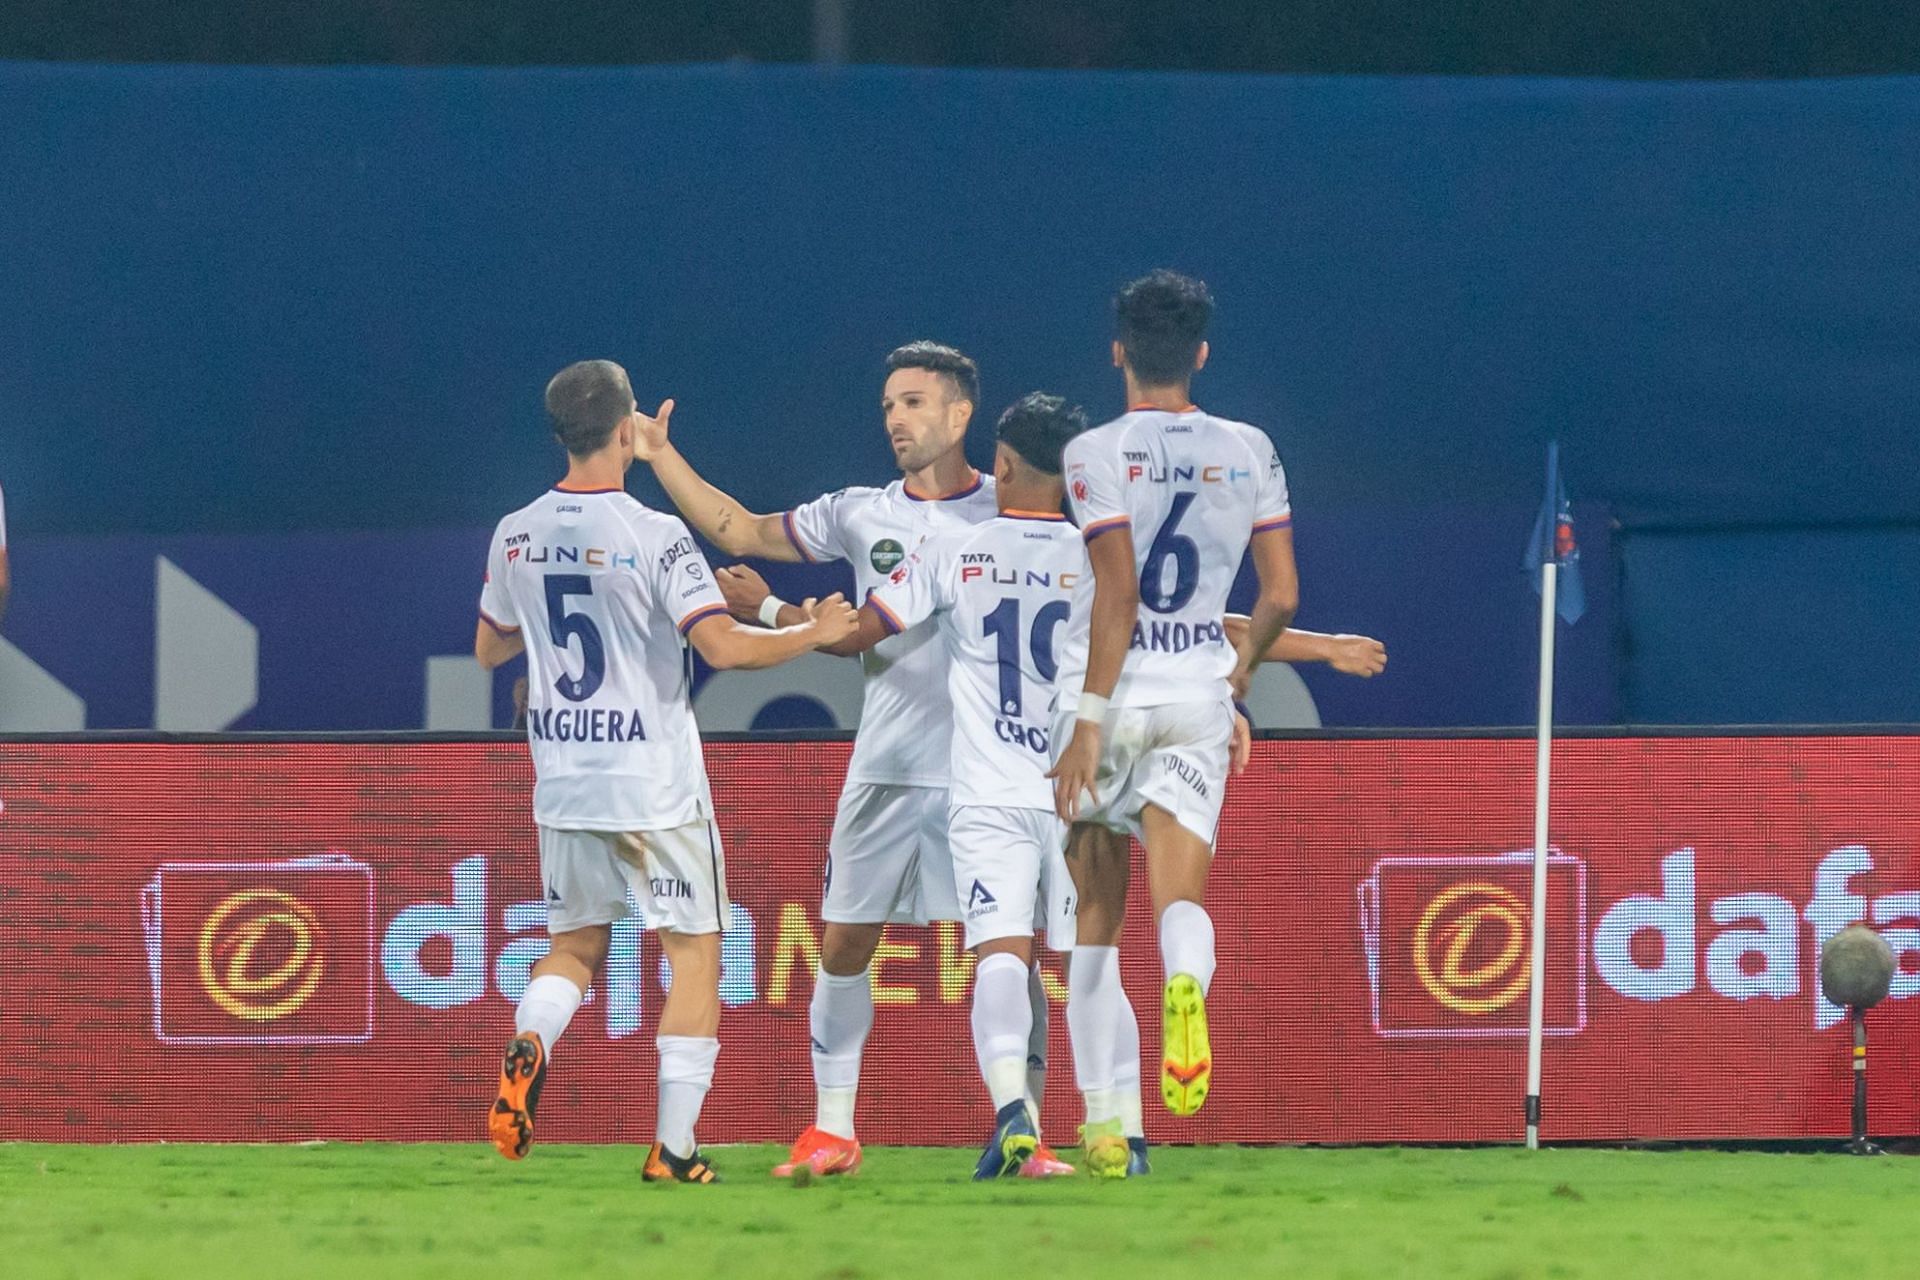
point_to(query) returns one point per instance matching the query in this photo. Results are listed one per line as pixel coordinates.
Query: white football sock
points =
(1002, 1021)
(546, 1007)
(1126, 1070)
(1186, 942)
(686, 1073)
(1093, 1014)
(1037, 1042)
(840, 1016)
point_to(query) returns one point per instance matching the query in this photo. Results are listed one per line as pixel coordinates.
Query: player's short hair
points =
(1037, 426)
(937, 357)
(1161, 320)
(586, 401)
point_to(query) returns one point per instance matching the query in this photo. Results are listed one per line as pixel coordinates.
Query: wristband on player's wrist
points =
(1092, 708)
(770, 610)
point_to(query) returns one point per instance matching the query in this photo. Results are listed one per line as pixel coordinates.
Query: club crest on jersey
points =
(1080, 489)
(886, 554)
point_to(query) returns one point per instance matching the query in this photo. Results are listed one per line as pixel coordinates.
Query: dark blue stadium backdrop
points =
(204, 941)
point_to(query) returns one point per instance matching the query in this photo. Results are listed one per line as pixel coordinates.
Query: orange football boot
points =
(821, 1154)
(523, 1072)
(664, 1166)
(1044, 1163)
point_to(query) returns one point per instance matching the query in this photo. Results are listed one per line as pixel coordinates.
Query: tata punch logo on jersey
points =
(1143, 469)
(592, 557)
(996, 577)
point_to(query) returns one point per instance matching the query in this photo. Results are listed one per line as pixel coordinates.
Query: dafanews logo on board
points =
(1447, 944)
(267, 952)
(1446, 939)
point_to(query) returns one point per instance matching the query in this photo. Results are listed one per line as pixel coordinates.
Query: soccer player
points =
(887, 858)
(1000, 592)
(599, 592)
(1168, 499)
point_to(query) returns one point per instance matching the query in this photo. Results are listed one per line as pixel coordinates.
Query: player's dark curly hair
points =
(1037, 426)
(1161, 320)
(937, 357)
(586, 401)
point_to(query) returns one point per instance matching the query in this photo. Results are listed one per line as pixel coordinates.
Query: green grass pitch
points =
(376, 1210)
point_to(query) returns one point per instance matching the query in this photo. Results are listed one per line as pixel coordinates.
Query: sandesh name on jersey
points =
(1193, 489)
(1001, 591)
(905, 719)
(604, 591)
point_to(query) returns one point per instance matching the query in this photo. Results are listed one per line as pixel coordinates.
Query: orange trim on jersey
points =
(560, 488)
(1098, 527)
(699, 615)
(499, 627)
(970, 487)
(1272, 523)
(887, 616)
(1154, 408)
(1032, 515)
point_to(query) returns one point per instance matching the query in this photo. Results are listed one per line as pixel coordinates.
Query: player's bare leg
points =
(840, 1016)
(1177, 865)
(559, 982)
(1097, 859)
(688, 1040)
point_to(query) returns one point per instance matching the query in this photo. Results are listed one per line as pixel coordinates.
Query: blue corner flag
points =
(1553, 540)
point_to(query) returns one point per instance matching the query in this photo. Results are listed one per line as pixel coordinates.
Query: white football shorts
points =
(1010, 870)
(1174, 756)
(678, 876)
(887, 860)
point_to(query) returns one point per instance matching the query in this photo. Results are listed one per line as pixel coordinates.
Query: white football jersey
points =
(1002, 591)
(604, 591)
(905, 718)
(1193, 489)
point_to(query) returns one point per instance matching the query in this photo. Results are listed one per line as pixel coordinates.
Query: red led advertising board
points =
(288, 940)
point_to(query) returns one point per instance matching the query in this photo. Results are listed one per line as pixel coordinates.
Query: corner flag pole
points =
(1542, 782)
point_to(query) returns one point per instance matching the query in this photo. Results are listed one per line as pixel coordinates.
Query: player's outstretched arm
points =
(869, 630)
(717, 515)
(1279, 598)
(1351, 655)
(746, 592)
(727, 645)
(493, 646)
(1110, 623)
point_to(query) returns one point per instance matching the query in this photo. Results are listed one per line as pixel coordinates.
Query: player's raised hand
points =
(650, 434)
(1073, 774)
(744, 589)
(1358, 655)
(832, 619)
